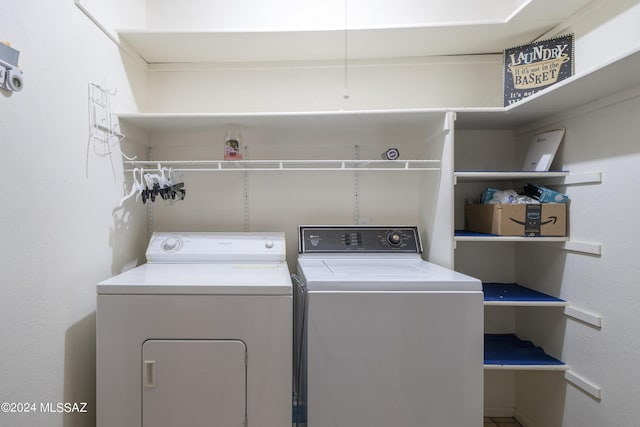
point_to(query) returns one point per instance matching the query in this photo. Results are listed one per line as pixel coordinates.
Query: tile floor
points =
(501, 422)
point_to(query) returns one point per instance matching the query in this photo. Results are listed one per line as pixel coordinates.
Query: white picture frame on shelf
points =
(542, 150)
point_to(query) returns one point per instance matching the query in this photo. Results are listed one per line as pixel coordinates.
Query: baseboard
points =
(522, 419)
(499, 412)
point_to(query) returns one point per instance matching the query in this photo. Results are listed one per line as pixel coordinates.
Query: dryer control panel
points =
(365, 239)
(208, 247)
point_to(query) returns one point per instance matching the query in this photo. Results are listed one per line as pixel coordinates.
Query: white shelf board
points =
(615, 76)
(510, 239)
(418, 119)
(505, 175)
(321, 44)
(551, 177)
(589, 86)
(565, 243)
(526, 303)
(560, 368)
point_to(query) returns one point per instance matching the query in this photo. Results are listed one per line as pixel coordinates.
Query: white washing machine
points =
(198, 336)
(383, 337)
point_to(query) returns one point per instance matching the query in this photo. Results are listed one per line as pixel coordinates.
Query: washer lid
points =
(382, 274)
(201, 279)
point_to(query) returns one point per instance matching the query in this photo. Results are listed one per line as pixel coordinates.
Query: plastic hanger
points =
(148, 186)
(136, 187)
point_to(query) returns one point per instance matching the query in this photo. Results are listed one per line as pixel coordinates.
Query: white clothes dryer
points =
(383, 337)
(198, 336)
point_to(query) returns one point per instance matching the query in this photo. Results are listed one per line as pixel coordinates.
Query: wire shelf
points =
(290, 165)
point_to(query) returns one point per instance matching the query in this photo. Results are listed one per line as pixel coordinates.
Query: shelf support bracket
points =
(583, 178)
(584, 316)
(356, 188)
(589, 248)
(581, 383)
(584, 247)
(245, 201)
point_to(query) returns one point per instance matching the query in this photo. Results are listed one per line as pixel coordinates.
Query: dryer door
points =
(194, 383)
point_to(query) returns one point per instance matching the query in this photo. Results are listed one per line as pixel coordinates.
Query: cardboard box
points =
(546, 219)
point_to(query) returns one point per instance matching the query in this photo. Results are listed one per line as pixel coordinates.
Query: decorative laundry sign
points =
(535, 66)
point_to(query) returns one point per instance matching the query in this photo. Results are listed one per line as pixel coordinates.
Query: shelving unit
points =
(290, 165)
(563, 178)
(612, 79)
(507, 351)
(510, 353)
(511, 304)
(340, 124)
(347, 144)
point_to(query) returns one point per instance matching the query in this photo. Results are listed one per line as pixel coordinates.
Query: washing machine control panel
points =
(366, 239)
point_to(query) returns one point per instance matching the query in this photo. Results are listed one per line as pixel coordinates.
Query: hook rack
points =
(101, 125)
(104, 130)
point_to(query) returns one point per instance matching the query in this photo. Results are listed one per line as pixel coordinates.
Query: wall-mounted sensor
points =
(391, 154)
(10, 74)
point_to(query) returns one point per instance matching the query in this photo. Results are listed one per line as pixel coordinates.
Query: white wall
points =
(602, 140)
(60, 232)
(319, 86)
(605, 30)
(116, 14)
(280, 201)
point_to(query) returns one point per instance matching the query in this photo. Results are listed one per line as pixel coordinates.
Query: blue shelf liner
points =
(505, 292)
(507, 349)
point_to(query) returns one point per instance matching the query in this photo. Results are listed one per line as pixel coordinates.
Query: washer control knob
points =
(171, 244)
(394, 239)
(268, 244)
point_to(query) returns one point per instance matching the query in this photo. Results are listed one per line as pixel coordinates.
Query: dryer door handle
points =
(149, 373)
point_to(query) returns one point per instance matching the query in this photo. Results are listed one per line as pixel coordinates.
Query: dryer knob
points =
(171, 244)
(268, 244)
